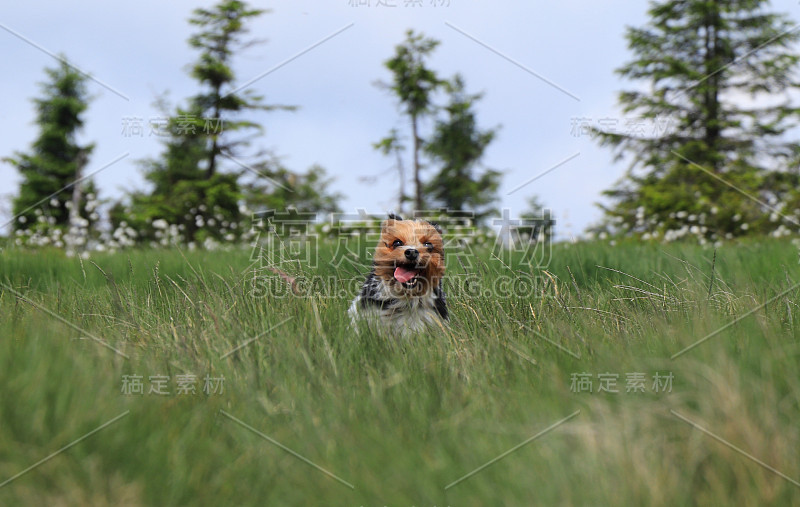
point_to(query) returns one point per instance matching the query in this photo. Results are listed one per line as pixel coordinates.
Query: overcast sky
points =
(542, 66)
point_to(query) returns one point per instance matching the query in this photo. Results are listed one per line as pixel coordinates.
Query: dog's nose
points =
(412, 254)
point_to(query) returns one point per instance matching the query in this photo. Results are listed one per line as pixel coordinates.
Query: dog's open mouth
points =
(406, 275)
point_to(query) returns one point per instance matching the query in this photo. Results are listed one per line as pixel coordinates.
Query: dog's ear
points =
(436, 226)
(389, 222)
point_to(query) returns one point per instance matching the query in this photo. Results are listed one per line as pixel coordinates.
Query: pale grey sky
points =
(540, 65)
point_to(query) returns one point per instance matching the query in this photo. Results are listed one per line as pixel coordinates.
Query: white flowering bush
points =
(704, 224)
(79, 234)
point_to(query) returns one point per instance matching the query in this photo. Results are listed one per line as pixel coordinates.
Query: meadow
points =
(168, 377)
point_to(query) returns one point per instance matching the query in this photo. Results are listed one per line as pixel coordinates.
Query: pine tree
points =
(459, 145)
(190, 191)
(182, 194)
(50, 170)
(219, 38)
(414, 85)
(714, 71)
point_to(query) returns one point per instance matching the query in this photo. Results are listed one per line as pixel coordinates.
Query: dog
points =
(403, 291)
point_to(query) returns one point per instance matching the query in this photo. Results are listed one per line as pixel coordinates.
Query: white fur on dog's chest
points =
(414, 314)
(399, 315)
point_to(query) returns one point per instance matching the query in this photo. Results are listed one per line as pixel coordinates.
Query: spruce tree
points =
(414, 84)
(190, 189)
(179, 186)
(713, 74)
(459, 145)
(220, 36)
(50, 169)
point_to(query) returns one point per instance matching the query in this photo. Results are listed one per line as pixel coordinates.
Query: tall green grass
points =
(400, 420)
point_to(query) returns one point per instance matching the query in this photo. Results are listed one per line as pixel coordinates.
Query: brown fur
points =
(413, 234)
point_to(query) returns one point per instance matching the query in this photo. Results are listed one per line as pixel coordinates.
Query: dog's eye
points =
(428, 245)
(397, 243)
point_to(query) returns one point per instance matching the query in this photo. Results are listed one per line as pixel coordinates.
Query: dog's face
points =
(409, 257)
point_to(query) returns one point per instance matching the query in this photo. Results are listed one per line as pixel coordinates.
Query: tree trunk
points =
(401, 197)
(417, 182)
(712, 68)
(212, 156)
(80, 162)
(75, 211)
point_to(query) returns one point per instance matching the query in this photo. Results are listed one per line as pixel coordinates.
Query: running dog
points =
(403, 290)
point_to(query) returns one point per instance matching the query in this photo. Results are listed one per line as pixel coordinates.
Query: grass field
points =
(311, 413)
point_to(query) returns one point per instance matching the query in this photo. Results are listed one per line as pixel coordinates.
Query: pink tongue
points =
(403, 275)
